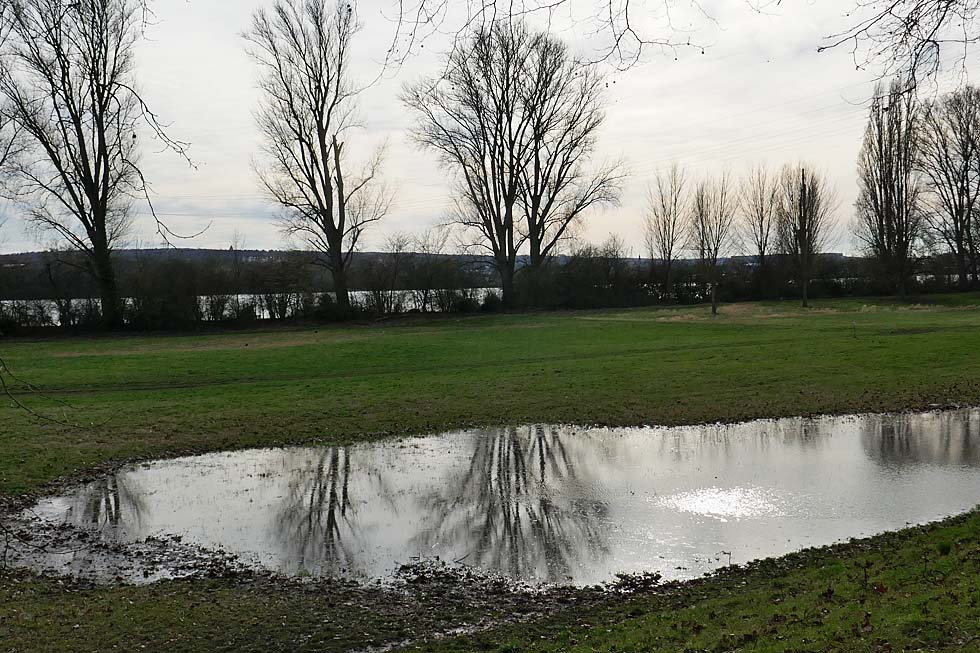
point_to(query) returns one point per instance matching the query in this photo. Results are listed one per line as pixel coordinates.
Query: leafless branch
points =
(909, 39)
(620, 29)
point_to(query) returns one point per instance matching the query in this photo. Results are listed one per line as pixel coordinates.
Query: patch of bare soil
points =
(425, 599)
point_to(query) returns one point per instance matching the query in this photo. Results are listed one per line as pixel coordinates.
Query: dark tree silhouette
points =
(806, 208)
(68, 81)
(666, 221)
(949, 158)
(712, 228)
(507, 511)
(944, 438)
(890, 218)
(317, 522)
(302, 48)
(108, 502)
(516, 117)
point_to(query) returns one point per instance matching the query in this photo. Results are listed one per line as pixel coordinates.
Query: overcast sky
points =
(760, 92)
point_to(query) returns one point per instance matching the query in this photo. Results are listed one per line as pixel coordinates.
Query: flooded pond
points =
(544, 503)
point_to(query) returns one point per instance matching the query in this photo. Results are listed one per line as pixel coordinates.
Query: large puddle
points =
(544, 503)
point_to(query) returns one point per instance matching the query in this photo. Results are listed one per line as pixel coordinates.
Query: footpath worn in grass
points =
(149, 396)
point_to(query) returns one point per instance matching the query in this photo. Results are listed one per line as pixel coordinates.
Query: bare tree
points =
(950, 161)
(68, 82)
(516, 118)
(563, 99)
(806, 208)
(472, 117)
(666, 220)
(302, 48)
(759, 192)
(714, 207)
(890, 218)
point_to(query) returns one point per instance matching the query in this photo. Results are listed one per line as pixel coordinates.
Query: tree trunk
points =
(714, 298)
(105, 276)
(532, 273)
(963, 280)
(507, 285)
(903, 271)
(340, 289)
(760, 276)
(806, 290)
(667, 288)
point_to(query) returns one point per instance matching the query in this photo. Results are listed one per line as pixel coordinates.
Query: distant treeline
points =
(182, 289)
(178, 288)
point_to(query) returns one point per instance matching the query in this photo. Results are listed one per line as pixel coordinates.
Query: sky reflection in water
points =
(550, 503)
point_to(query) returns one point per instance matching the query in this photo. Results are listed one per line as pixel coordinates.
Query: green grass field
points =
(153, 396)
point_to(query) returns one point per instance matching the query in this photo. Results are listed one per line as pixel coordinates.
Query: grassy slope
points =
(917, 590)
(151, 396)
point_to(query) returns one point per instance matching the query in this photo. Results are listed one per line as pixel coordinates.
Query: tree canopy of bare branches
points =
(806, 207)
(563, 100)
(909, 38)
(666, 220)
(714, 207)
(758, 194)
(516, 118)
(303, 50)
(889, 216)
(621, 30)
(68, 85)
(949, 158)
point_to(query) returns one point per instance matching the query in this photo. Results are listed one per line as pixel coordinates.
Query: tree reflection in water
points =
(110, 501)
(515, 509)
(318, 524)
(947, 438)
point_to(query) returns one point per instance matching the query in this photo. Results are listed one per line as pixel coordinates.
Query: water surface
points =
(548, 503)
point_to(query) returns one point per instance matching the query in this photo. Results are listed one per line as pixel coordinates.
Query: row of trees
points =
(176, 288)
(764, 214)
(919, 181)
(919, 175)
(167, 289)
(514, 116)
